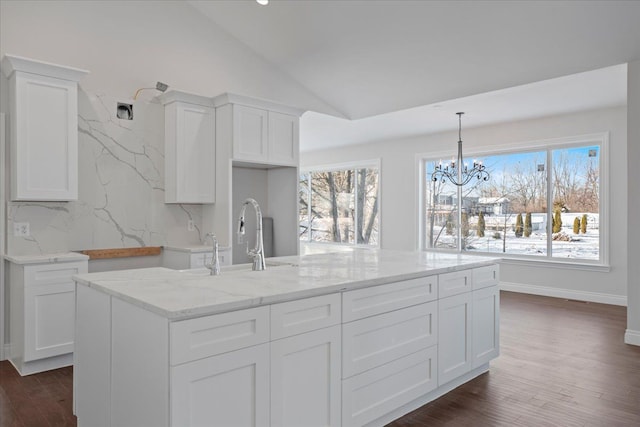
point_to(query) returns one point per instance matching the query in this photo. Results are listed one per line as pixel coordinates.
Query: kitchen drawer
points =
(377, 340)
(454, 283)
(483, 277)
(45, 274)
(207, 336)
(372, 394)
(297, 317)
(367, 302)
(200, 259)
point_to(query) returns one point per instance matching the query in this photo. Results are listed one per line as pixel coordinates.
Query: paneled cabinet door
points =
(190, 156)
(231, 389)
(250, 134)
(305, 379)
(44, 142)
(454, 337)
(283, 139)
(486, 325)
(49, 320)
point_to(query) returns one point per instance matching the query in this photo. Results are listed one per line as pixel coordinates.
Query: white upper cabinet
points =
(283, 139)
(249, 133)
(190, 152)
(44, 129)
(260, 131)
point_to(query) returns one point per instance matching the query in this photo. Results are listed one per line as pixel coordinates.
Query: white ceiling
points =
(367, 58)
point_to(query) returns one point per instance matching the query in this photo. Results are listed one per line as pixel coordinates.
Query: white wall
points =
(399, 225)
(632, 335)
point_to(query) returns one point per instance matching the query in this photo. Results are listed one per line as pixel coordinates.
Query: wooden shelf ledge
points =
(122, 252)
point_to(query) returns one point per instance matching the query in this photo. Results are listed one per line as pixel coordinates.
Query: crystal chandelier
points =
(457, 172)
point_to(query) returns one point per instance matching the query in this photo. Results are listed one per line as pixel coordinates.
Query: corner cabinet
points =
(259, 131)
(42, 311)
(190, 150)
(43, 101)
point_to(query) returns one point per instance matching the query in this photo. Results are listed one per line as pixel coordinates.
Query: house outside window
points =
(339, 204)
(545, 201)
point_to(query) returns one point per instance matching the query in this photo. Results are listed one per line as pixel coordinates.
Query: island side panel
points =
(92, 357)
(140, 367)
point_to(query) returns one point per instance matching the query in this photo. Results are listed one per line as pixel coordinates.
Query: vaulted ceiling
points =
(367, 58)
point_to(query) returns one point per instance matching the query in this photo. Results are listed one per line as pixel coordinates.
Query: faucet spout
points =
(257, 253)
(214, 265)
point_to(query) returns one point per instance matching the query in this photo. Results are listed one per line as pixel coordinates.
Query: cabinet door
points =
(305, 379)
(283, 139)
(44, 142)
(486, 325)
(454, 337)
(189, 153)
(231, 389)
(249, 134)
(49, 320)
(49, 309)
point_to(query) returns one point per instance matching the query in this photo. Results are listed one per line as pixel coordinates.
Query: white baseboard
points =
(565, 293)
(632, 337)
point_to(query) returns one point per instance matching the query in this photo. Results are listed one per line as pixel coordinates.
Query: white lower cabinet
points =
(486, 325)
(305, 379)
(374, 393)
(42, 314)
(455, 339)
(231, 389)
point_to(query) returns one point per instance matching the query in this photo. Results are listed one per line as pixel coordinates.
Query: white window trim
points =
(601, 139)
(360, 164)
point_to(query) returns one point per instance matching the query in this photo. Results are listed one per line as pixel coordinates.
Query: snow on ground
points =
(581, 246)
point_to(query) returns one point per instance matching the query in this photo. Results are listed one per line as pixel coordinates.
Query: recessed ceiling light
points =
(263, 2)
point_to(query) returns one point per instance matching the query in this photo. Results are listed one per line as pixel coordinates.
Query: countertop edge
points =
(46, 258)
(282, 297)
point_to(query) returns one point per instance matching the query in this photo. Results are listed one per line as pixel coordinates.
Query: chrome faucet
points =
(258, 251)
(214, 265)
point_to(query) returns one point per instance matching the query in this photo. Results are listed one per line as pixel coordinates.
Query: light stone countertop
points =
(46, 258)
(179, 295)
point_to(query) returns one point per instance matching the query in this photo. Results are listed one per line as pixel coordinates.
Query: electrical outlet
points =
(190, 225)
(21, 229)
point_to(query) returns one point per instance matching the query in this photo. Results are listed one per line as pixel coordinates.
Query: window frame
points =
(355, 165)
(547, 146)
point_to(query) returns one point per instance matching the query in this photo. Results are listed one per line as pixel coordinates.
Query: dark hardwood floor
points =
(563, 363)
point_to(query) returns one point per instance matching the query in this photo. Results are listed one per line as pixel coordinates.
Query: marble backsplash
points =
(120, 189)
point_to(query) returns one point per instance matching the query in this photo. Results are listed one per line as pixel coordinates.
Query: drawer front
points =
(374, 341)
(47, 274)
(454, 283)
(375, 300)
(297, 317)
(207, 336)
(198, 260)
(483, 277)
(372, 394)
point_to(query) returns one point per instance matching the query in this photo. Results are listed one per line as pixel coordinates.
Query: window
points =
(542, 203)
(340, 205)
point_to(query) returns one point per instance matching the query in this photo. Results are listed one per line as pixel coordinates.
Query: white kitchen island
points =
(348, 338)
